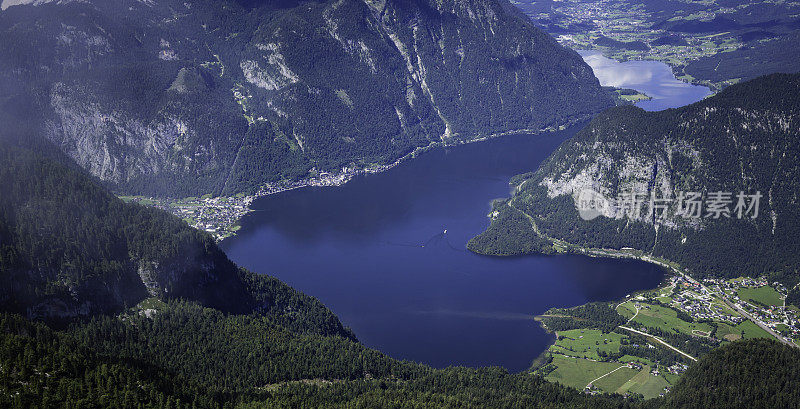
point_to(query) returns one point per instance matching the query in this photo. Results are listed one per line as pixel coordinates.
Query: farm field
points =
(677, 311)
(616, 380)
(655, 316)
(614, 377)
(577, 372)
(764, 295)
(644, 383)
(587, 343)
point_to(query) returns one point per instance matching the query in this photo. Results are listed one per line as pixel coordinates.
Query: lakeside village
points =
(632, 358)
(220, 216)
(733, 302)
(762, 302)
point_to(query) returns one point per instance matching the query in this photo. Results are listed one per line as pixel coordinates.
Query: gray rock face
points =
(113, 145)
(613, 169)
(179, 98)
(722, 175)
(707, 148)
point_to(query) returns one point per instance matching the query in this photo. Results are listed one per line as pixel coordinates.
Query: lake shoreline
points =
(378, 241)
(653, 78)
(677, 69)
(339, 179)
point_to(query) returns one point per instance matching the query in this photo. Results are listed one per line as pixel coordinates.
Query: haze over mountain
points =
(105, 303)
(178, 98)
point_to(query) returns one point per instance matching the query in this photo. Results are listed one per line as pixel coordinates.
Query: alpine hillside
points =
(69, 249)
(70, 253)
(744, 139)
(182, 98)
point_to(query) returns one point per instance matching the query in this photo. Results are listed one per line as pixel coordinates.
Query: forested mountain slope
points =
(43, 368)
(757, 373)
(69, 248)
(180, 98)
(212, 336)
(217, 336)
(744, 139)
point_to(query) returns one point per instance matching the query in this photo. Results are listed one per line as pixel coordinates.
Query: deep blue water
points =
(653, 78)
(375, 252)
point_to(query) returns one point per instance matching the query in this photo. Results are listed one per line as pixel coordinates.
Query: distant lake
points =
(653, 78)
(375, 252)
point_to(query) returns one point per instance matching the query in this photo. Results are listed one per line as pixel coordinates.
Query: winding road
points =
(759, 323)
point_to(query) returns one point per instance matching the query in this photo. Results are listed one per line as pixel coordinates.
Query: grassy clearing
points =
(718, 305)
(635, 98)
(614, 376)
(615, 380)
(576, 372)
(665, 299)
(666, 291)
(663, 294)
(652, 388)
(638, 379)
(631, 358)
(746, 330)
(783, 329)
(751, 330)
(765, 295)
(587, 343)
(671, 378)
(664, 318)
(727, 332)
(626, 309)
(644, 383)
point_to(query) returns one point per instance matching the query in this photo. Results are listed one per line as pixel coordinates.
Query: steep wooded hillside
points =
(183, 98)
(744, 139)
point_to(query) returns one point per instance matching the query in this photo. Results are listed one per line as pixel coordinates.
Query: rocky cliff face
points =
(178, 98)
(742, 141)
(725, 144)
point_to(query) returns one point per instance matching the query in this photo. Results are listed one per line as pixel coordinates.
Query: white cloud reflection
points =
(650, 77)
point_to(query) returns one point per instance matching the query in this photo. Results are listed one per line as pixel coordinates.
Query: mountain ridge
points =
(742, 139)
(71, 250)
(182, 99)
(64, 232)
